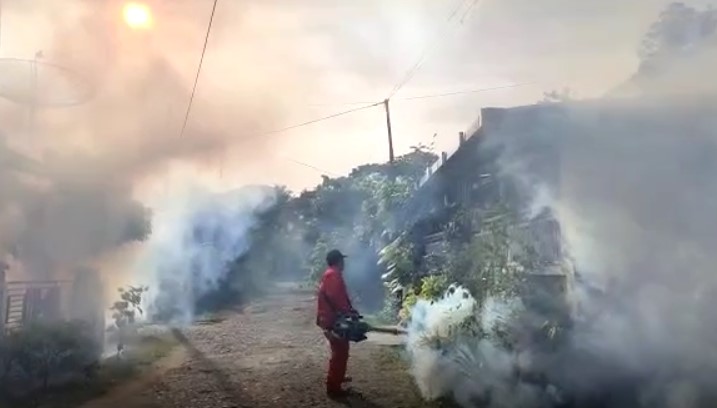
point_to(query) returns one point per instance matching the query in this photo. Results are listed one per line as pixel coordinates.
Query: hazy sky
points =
(358, 51)
(270, 64)
(275, 63)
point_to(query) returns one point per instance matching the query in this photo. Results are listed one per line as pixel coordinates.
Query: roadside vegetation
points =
(59, 364)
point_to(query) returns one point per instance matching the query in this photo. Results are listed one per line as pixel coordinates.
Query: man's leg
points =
(337, 365)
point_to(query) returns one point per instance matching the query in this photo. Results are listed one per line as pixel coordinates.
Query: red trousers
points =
(337, 363)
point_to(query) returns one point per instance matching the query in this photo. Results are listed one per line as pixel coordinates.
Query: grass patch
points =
(111, 373)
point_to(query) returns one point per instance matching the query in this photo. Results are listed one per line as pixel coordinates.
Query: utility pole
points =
(390, 135)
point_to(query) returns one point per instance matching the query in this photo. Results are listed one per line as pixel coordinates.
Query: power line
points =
(371, 105)
(199, 69)
(298, 125)
(406, 79)
(404, 98)
(440, 95)
(311, 122)
(424, 54)
(436, 95)
(469, 10)
(340, 103)
(415, 67)
(196, 81)
(320, 170)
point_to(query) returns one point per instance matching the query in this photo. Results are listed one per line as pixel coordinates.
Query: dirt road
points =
(268, 355)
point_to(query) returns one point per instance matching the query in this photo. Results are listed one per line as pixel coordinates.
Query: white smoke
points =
(432, 372)
(194, 240)
(455, 349)
(630, 182)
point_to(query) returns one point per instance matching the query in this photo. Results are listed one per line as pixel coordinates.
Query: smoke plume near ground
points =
(433, 376)
(629, 177)
(253, 75)
(196, 238)
(474, 371)
(69, 176)
(630, 182)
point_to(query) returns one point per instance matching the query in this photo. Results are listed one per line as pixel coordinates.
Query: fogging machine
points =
(353, 328)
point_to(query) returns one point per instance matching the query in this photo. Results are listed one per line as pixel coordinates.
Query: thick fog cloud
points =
(268, 65)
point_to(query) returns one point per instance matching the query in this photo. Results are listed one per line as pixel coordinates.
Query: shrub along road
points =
(269, 355)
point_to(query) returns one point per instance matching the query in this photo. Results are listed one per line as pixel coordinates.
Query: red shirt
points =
(333, 299)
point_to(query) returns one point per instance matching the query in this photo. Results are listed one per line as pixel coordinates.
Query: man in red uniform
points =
(333, 300)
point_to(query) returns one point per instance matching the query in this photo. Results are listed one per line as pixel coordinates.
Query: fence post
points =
(3, 300)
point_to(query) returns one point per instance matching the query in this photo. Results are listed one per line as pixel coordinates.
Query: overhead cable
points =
(199, 69)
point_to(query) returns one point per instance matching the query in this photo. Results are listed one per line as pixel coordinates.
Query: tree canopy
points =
(356, 213)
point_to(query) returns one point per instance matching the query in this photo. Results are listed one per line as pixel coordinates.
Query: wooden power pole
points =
(390, 135)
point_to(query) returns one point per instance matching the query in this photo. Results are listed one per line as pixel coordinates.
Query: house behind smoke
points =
(472, 180)
(537, 154)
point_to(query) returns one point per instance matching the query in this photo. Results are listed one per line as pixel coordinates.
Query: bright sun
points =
(137, 15)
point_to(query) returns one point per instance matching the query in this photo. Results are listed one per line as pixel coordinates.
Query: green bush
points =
(408, 302)
(431, 288)
(493, 261)
(397, 259)
(37, 353)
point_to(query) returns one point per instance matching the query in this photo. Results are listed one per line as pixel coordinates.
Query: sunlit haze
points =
(517, 196)
(137, 15)
(272, 65)
(275, 64)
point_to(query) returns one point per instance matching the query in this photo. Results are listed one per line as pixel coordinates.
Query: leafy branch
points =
(126, 310)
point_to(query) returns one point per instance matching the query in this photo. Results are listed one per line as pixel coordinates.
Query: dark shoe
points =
(337, 394)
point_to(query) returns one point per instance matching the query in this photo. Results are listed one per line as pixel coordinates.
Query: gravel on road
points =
(270, 354)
